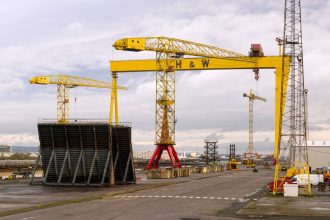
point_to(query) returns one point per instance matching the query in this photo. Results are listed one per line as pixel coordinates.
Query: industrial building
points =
(4, 149)
(319, 153)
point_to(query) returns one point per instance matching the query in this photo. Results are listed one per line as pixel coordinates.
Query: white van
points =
(302, 179)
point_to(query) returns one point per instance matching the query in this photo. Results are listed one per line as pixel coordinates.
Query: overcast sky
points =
(40, 37)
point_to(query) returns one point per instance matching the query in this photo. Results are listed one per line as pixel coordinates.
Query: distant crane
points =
(64, 83)
(250, 151)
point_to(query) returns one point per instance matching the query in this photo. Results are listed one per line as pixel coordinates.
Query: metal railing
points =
(84, 121)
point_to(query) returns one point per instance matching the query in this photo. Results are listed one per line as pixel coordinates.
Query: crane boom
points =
(174, 46)
(252, 96)
(72, 81)
(64, 83)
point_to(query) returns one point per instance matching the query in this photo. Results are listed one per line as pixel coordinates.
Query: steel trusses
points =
(211, 151)
(86, 154)
(294, 129)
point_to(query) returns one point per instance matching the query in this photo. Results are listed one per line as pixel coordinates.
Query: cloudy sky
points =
(74, 37)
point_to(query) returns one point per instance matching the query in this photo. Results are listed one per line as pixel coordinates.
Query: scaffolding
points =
(211, 151)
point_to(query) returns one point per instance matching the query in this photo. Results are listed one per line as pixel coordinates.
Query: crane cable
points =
(75, 101)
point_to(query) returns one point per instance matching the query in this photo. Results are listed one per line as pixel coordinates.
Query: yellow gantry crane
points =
(169, 59)
(168, 51)
(64, 83)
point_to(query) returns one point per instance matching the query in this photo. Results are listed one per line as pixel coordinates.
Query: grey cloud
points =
(38, 40)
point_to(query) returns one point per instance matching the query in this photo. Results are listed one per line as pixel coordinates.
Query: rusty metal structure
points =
(211, 151)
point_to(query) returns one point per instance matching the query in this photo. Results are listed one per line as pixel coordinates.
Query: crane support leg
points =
(114, 100)
(63, 103)
(175, 161)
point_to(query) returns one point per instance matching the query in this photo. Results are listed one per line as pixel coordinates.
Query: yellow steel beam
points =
(72, 81)
(269, 62)
(177, 47)
(279, 63)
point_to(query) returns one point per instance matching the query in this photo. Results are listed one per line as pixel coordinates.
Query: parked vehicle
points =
(302, 179)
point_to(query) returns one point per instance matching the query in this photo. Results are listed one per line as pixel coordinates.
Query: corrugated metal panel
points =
(86, 154)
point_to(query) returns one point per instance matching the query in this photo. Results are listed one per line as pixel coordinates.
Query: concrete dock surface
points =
(224, 195)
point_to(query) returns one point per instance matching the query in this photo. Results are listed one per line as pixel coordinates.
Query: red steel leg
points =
(156, 154)
(154, 160)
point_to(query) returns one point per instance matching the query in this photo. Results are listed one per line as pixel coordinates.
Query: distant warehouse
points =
(319, 154)
(4, 149)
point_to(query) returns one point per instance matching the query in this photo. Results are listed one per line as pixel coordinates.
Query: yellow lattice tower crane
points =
(169, 59)
(65, 83)
(250, 152)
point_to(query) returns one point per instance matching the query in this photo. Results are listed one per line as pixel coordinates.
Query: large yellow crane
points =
(169, 58)
(250, 152)
(64, 83)
(168, 51)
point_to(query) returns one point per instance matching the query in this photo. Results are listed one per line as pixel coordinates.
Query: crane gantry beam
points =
(279, 63)
(65, 82)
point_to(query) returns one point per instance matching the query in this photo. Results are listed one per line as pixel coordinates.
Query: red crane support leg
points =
(178, 162)
(155, 157)
(154, 160)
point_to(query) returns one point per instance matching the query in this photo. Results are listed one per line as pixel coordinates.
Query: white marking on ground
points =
(320, 209)
(183, 197)
(255, 199)
(242, 200)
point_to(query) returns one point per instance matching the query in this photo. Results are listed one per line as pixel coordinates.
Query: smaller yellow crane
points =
(250, 152)
(64, 83)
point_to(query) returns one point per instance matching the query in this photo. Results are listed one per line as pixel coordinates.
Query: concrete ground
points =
(315, 207)
(224, 195)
